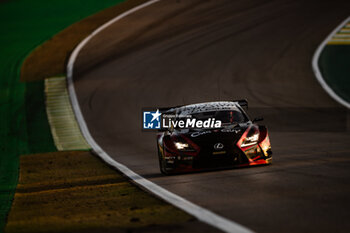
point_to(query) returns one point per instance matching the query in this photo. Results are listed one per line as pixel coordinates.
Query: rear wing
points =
(242, 102)
(166, 109)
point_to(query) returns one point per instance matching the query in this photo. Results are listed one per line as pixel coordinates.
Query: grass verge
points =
(74, 191)
(26, 24)
(62, 44)
(62, 191)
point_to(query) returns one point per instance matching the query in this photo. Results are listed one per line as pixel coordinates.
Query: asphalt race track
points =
(181, 52)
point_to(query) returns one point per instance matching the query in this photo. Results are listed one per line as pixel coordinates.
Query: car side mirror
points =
(256, 119)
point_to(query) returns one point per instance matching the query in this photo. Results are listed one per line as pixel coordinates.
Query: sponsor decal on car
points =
(157, 120)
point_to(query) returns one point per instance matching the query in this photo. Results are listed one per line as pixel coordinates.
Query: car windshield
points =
(226, 117)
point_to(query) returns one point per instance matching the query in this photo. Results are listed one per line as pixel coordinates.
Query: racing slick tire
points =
(161, 162)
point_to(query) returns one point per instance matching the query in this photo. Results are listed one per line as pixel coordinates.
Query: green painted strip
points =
(342, 35)
(334, 64)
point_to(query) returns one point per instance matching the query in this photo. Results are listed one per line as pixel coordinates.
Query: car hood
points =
(208, 137)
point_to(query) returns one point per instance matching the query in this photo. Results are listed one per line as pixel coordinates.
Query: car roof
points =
(206, 107)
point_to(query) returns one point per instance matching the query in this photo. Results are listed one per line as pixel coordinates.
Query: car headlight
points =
(184, 146)
(181, 145)
(252, 140)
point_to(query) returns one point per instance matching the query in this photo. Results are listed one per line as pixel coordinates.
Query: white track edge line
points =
(317, 71)
(200, 213)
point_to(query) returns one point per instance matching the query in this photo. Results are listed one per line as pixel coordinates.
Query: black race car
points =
(237, 142)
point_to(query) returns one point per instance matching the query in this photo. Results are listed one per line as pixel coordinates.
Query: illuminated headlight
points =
(249, 141)
(182, 146)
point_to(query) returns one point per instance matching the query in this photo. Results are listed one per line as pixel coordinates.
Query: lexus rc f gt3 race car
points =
(238, 142)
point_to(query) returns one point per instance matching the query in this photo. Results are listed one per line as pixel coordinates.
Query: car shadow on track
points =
(208, 170)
